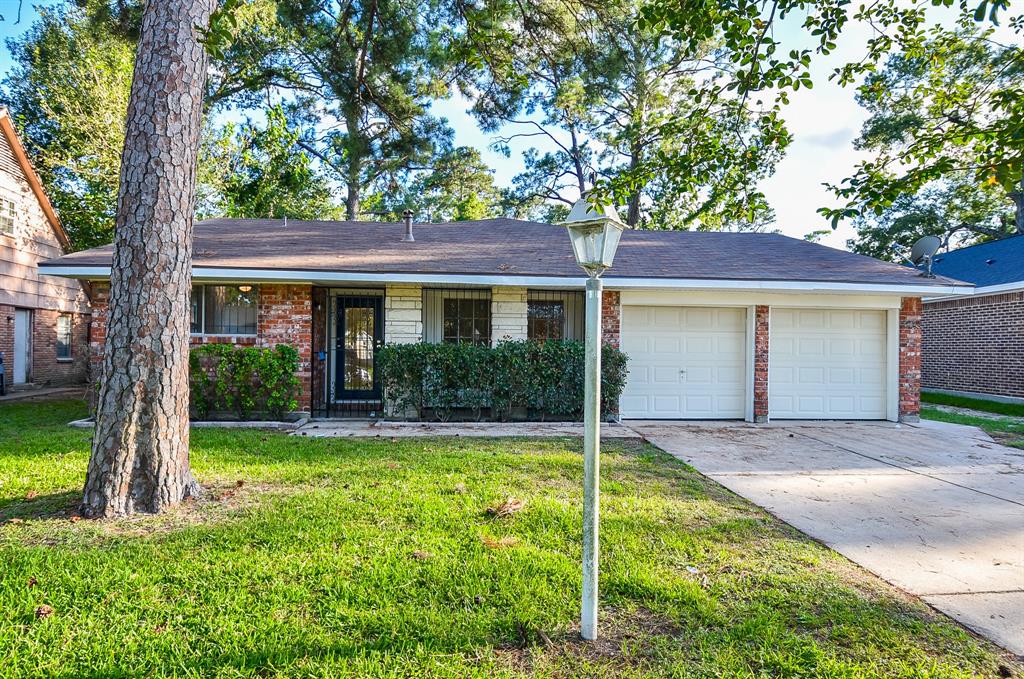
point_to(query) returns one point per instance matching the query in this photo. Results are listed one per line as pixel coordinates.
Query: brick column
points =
(100, 301)
(761, 317)
(611, 314)
(911, 311)
(285, 316)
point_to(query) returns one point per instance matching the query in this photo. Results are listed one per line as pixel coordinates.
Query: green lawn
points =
(1008, 430)
(985, 405)
(377, 558)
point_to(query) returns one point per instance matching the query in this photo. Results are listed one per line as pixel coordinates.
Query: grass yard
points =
(335, 557)
(1004, 422)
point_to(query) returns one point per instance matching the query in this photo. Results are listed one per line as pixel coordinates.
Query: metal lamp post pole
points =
(591, 461)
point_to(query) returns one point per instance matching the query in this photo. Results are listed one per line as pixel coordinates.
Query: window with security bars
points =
(554, 315)
(457, 316)
(224, 309)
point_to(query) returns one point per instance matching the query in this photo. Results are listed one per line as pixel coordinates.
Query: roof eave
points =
(212, 274)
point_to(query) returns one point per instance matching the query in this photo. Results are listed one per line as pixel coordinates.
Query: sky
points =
(824, 121)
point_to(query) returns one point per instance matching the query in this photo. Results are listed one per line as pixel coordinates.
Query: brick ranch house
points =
(44, 320)
(716, 325)
(974, 345)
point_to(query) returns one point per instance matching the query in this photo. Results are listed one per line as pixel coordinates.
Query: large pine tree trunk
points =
(140, 457)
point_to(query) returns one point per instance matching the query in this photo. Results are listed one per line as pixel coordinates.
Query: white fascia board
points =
(330, 277)
(984, 290)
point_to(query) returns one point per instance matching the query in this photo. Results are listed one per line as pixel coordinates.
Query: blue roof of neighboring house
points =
(992, 263)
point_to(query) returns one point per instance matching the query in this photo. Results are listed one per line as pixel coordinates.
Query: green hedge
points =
(543, 378)
(243, 380)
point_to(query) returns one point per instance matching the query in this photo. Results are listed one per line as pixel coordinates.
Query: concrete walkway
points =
(345, 428)
(935, 509)
(42, 393)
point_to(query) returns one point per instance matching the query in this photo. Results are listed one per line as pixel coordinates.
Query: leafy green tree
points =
(947, 121)
(607, 98)
(460, 187)
(68, 90)
(754, 62)
(254, 171)
(956, 210)
(361, 74)
(936, 91)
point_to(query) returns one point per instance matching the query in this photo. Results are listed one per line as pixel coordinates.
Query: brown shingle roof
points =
(513, 247)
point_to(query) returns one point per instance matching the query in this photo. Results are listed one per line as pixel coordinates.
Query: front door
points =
(22, 346)
(359, 332)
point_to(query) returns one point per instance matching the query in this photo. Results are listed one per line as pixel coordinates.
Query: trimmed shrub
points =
(243, 380)
(543, 379)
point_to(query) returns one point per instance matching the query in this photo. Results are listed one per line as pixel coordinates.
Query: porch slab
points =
(379, 428)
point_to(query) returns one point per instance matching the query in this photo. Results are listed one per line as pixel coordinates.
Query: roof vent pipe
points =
(408, 226)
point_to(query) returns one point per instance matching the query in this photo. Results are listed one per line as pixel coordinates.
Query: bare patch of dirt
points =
(622, 637)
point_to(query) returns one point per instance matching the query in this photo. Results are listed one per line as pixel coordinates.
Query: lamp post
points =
(595, 235)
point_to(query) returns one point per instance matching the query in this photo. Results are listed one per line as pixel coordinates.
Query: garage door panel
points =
(827, 364)
(695, 358)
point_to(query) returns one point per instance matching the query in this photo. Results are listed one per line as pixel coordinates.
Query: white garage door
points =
(684, 362)
(826, 363)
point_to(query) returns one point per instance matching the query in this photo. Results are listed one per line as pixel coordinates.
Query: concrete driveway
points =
(935, 509)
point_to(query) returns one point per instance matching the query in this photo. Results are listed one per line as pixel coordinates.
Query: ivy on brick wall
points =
(517, 378)
(243, 381)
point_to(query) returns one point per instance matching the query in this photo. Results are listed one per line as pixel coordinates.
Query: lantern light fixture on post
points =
(595, 233)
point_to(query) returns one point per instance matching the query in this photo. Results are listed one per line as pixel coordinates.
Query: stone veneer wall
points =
(508, 314)
(910, 359)
(975, 344)
(403, 314)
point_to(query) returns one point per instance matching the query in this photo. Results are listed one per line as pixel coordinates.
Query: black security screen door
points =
(360, 332)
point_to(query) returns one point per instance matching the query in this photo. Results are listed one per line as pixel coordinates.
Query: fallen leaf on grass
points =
(74, 518)
(239, 483)
(32, 582)
(422, 556)
(44, 611)
(15, 520)
(507, 508)
(499, 543)
(31, 495)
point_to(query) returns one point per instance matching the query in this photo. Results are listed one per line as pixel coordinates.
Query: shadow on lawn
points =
(52, 506)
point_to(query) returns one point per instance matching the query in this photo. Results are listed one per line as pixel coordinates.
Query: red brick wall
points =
(284, 316)
(46, 369)
(7, 339)
(975, 344)
(611, 313)
(98, 330)
(761, 334)
(910, 358)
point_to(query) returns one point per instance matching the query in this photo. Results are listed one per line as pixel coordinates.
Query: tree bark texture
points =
(140, 460)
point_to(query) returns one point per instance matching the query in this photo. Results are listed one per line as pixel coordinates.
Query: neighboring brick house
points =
(975, 345)
(44, 320)
(716, 325)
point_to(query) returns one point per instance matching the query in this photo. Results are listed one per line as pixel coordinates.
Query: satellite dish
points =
(923, 252)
